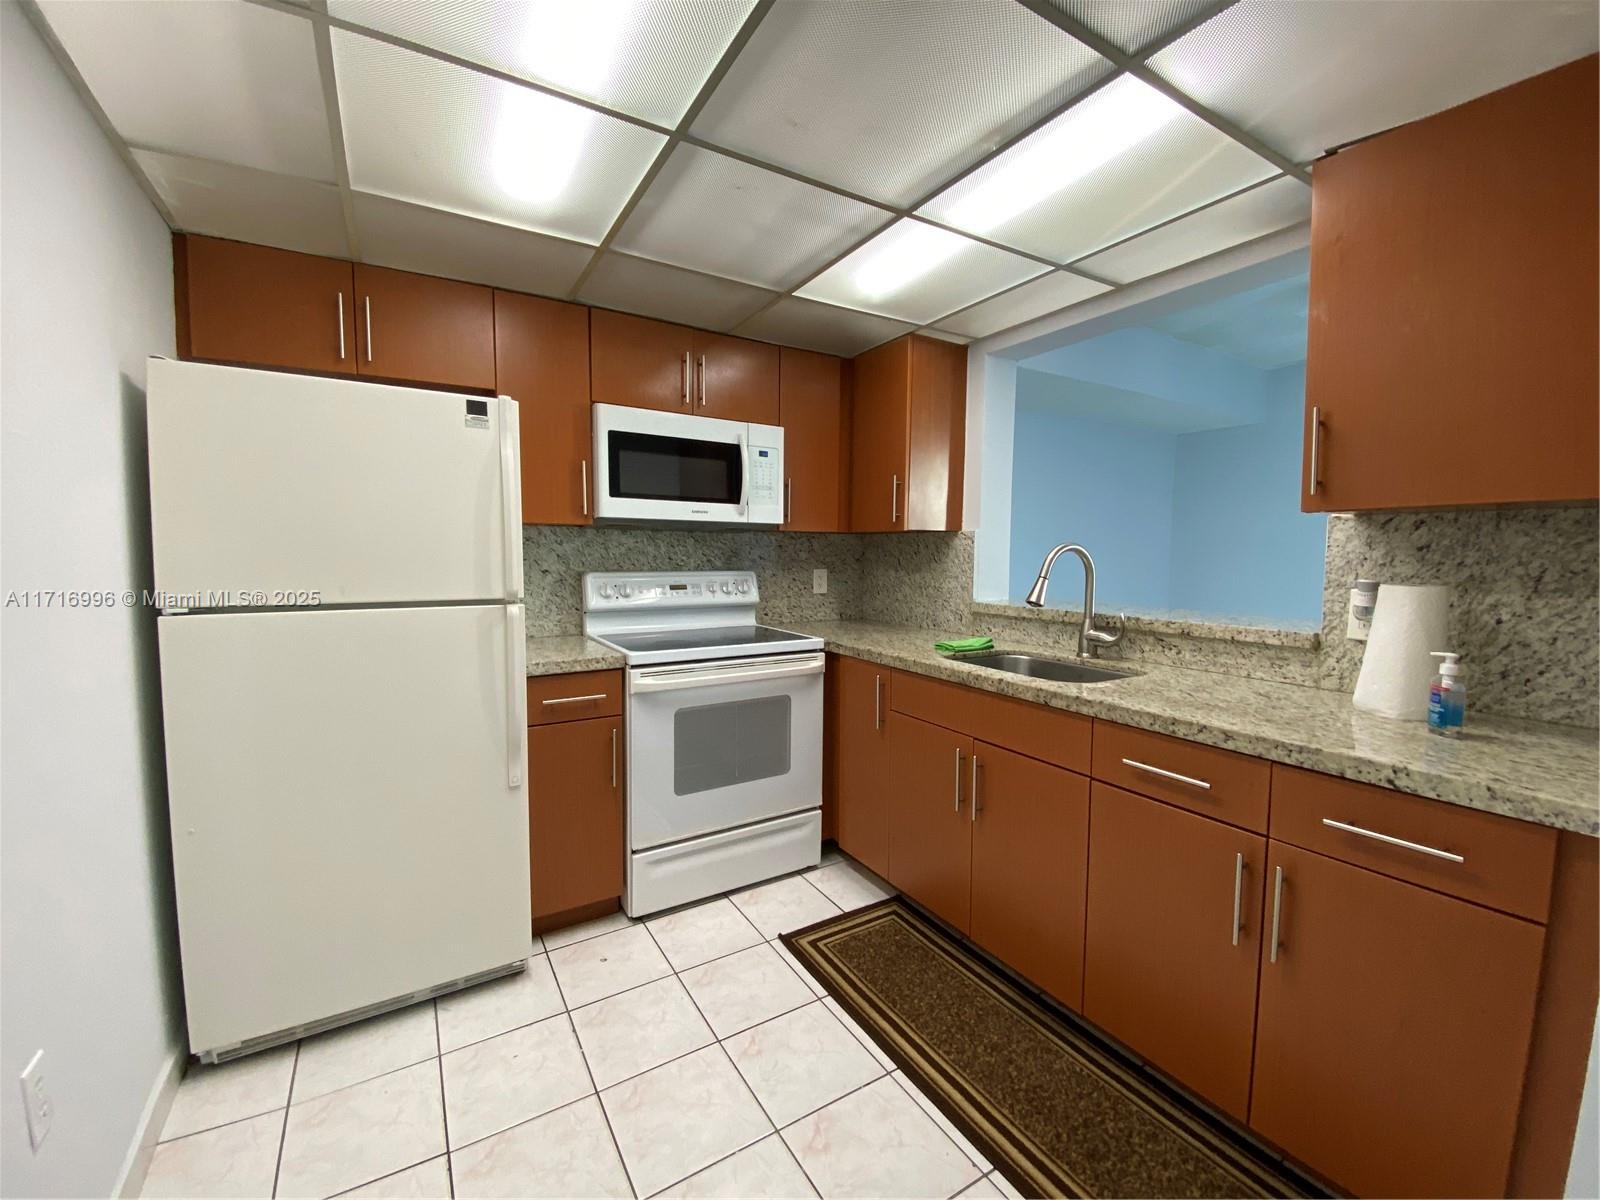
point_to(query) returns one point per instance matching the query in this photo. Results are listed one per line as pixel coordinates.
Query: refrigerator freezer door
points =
(265, 486)
(344, 828)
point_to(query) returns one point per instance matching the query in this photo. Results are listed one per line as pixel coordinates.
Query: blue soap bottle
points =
(1447, 696)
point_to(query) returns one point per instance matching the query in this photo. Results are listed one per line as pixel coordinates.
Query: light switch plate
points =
(819, 581)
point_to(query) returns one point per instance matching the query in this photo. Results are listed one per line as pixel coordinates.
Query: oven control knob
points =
(605, 591)
(744, 586)
(624, 590)
(727, 588)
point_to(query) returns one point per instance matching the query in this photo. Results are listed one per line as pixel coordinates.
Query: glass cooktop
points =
(703, 639)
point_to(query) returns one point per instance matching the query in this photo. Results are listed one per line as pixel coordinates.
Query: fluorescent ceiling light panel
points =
(903, 255)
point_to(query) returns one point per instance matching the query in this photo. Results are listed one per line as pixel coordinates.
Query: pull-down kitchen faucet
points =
(1088, 636)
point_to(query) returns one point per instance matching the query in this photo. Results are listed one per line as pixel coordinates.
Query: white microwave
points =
(668, 466)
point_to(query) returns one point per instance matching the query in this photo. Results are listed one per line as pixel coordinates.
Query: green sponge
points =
(964, 645)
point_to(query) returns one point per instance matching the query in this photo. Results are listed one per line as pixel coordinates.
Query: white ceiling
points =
(813, 172)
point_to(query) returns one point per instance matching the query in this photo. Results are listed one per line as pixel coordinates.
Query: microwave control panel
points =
(764, 481)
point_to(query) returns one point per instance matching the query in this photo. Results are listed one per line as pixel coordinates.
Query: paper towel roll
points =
(1408, 624)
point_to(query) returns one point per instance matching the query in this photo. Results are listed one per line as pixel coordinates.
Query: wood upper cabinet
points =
(639, 362)
(816, 446)
(1168, 968)
(735, 378)
(541, 355)
(908, 436)
(1452, 353)
(1030, 849)
(1393, 1031)
(239, 303)
(930, 832)
(575, 820)
(422, 329)
(858, 729)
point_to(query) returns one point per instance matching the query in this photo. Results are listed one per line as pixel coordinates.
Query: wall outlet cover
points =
(36, 1100)
(819, 581)
(1355, 629)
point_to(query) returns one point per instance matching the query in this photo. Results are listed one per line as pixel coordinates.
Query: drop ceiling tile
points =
(234, 83)
(917, 272)
(1256, 213)
(446, 137)
(717, 214)
(1047, 294)
(826, 328)
(653, 289)
(891, 98)
(645, 59)
(1305, 78)
(1119, 161)
(1132, 25)
(226, 201)
(408, 237)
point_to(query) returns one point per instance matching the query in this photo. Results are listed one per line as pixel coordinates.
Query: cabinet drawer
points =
(576, 697)
(1505, 864)
(1215, 783)
(1036, 730)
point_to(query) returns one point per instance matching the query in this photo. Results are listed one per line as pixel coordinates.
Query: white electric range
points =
(724, 733)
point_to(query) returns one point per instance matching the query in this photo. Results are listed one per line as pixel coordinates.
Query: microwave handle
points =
(744, 474)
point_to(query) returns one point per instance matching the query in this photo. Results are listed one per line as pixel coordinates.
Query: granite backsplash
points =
(1525, 613)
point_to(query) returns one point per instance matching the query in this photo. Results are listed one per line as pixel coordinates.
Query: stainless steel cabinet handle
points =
(702, 381)
(973, 799)
(1165, 774)
(584, 464)
(575, 699)
(1393, 841)
(877, 702)
(613, 758)
(894, 501)
(958, 778)
(341, 326)
(369, 328)
(1316, 448)
(788, 500)
(1277, 910)
(1238, 893)
(688, 374)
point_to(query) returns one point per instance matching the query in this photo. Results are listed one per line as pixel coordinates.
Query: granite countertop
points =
(562, 655)
(1547, 774)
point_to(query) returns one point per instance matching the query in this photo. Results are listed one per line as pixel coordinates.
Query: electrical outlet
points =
(1355, 629)
(36, 1100)
(819, 581)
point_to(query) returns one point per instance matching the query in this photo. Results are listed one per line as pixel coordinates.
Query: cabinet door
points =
(427, 330)
(541, 356)
(862, 768)
(239, 303)
(1393, 1031)
(880, 437)
(815, 446)
(735, 378)
(938, 435)
(575, 790)
(639, 362)
(1030, 851)
(1167, 969)
(1451, 356)
(930, 834)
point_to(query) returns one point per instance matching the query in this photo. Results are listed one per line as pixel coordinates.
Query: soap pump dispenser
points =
(1447, 696)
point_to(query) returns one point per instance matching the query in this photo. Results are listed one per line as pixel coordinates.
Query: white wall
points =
(1583, 1172)
(86, 929)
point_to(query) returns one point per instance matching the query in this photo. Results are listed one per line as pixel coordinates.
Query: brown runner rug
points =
(1057, 1110)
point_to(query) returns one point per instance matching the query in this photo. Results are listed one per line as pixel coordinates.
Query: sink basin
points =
(1046, 668)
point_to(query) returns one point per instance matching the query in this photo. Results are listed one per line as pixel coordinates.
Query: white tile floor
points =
(685, 1055)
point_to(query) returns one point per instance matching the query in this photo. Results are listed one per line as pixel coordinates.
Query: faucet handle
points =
(1101, 638)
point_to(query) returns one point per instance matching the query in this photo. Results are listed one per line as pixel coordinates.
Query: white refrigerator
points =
(339, 570)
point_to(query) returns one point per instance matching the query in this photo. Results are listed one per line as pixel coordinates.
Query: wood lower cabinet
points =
(930, 832)
(541, 354)
(736, 379)
(640, 363)
(1393, 1031)
(1168, 970)
(816, 443)
(908, 436)
(575, 817)
(1451, 355)
(1030, 849)
(422, 329)
(858, 728)
(238, 303)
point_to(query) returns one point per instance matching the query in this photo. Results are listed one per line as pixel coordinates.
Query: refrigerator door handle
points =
(516, 696)
(510, 500)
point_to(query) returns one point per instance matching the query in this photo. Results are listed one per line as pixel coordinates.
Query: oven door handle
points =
(670, 679)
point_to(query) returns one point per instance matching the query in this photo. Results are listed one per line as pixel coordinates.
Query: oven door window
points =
(647, 466)
(720, 745)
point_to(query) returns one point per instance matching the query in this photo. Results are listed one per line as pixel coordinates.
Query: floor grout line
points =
(444, 1101)
(283, 1134)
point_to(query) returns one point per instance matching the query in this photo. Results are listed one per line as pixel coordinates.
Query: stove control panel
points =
(610, 591)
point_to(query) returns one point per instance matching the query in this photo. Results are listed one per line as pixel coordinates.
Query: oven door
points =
(665, 466)
(722, 744)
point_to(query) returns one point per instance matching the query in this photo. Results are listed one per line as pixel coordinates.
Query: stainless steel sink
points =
(1046, 668)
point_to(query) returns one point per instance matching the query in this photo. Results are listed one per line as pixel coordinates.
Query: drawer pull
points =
(613, 758)
(973, 800)
(1164, 774)
(877, 702)
(575, 699)
(1277, 910)
(958, 778)
(1393, 841)
(1238, 893)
